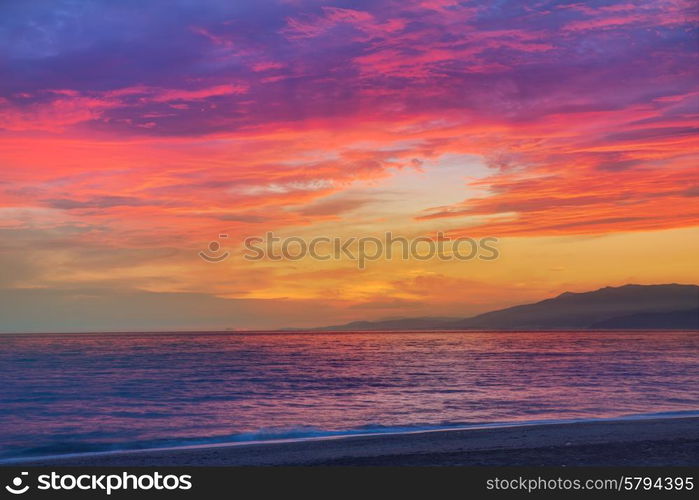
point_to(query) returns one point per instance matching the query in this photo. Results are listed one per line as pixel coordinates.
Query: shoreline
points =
(633, 440)
(308, 331)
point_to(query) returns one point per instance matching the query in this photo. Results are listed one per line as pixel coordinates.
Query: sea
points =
(86, 393)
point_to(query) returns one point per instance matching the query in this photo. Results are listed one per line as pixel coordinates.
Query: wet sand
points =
(653, 442)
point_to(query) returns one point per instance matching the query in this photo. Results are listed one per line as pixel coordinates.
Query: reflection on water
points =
(68, 393)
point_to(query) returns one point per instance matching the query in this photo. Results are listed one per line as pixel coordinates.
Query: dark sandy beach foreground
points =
(655, 442)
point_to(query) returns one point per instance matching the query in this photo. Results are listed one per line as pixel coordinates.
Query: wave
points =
(298, 434)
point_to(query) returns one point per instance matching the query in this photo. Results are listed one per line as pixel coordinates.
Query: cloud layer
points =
(158, 126)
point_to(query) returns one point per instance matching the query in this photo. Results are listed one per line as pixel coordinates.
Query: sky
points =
(133, 134)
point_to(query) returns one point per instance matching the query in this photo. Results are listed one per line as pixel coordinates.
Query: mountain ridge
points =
(631, 306)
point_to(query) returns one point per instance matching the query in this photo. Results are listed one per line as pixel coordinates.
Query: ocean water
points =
(81, 393)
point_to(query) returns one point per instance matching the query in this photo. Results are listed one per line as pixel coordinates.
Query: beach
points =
(624, 442)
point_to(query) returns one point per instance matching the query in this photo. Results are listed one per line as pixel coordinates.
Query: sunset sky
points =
(133, 133)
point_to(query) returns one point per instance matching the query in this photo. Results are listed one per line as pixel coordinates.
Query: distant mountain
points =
(670, 306)
(394, 324)
(583, 310)
(679, 320)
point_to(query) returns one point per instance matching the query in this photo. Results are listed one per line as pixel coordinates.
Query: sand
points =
(649, 442)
